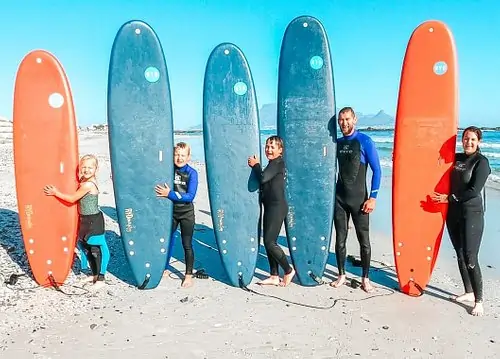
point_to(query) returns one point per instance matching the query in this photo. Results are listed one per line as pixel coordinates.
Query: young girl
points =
(91, 239)
(272, 181)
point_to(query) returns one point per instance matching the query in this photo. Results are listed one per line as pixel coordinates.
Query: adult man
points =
(355, 152)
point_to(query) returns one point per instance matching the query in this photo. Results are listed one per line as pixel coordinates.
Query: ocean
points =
(383, 139)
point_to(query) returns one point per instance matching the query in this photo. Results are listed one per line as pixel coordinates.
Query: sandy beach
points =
(215, 320)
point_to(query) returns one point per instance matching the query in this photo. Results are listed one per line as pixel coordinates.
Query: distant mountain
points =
(381, 119)
(268, 114)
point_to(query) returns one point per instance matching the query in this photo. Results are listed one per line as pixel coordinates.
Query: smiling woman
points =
(465, 218)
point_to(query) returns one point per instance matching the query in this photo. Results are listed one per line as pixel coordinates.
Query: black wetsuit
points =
(272, 181)
(183, 193)
(465, 219)
(354, 153)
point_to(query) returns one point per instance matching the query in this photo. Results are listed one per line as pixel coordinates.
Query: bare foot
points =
(166, 273)
(466, 297)
(366, 285)
(340, 281)
(478, 310)
(188, 281)
(287, 278)
(272, 280)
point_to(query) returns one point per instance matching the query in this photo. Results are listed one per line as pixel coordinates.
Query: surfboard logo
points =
(28, 210)
(220, 216)
(291, 216)
(440, 68)
(316, 62)
(152, 74)
(129, 215)
(240, 88)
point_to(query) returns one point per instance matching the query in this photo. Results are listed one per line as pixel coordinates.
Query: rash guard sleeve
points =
(192, 187)
(373, 161)
(273, 168)
(478, 180)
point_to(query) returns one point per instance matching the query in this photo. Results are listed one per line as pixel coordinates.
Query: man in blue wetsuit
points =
(182, 195)
(355, 152)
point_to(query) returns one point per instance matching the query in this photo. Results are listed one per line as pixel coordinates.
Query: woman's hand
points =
(252, 160)
(439, 197)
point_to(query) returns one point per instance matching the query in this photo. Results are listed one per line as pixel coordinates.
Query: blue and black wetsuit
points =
(465, 219)
(354, 154)
(272, 181)
(91, 236)
(183, 193)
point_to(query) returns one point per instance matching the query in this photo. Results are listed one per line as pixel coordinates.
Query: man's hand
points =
(369, 205)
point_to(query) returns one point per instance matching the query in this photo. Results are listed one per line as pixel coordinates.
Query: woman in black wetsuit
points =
(272, 181)
(465, 219)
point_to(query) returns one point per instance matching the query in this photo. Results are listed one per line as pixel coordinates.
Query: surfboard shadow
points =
(110, 212)
(118, 264)
(206, 255)
(12, 242)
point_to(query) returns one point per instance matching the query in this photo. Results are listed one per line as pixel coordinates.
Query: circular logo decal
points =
(316, 62)
(440, 68)
(152, 74)
(56, 100)
(240, 88)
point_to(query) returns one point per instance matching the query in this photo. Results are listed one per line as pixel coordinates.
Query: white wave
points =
(491, 154)
(380, 139)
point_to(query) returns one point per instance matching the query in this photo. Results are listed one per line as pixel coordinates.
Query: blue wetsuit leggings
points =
(96, 255)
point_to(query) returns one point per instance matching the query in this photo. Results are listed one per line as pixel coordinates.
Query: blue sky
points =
(368, 39)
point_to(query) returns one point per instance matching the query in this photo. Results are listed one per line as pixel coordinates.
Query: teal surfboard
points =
(231, 135)
(141, 148)
(307, 124)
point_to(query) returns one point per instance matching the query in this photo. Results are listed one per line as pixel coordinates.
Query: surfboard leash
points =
(335, 301)
(57, 287)
(144, 283)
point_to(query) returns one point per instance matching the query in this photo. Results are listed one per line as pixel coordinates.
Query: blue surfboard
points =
(141, 148)
(231, 135)
(307, 124)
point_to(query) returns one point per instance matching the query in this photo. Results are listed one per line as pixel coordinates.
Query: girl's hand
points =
(439, 197)
(162, 191)
(50, 190)
(252, 160)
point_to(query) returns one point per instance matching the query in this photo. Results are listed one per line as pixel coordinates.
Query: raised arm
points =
(273, 168)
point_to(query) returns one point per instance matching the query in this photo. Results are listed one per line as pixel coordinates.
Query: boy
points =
(183, 193)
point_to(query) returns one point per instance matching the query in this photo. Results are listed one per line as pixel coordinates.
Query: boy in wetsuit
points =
(182, 195)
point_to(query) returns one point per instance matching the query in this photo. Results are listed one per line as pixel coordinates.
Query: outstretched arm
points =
(70, 198)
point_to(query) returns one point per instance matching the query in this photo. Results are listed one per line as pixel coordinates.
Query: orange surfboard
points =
(45, 152)
(424, 150)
